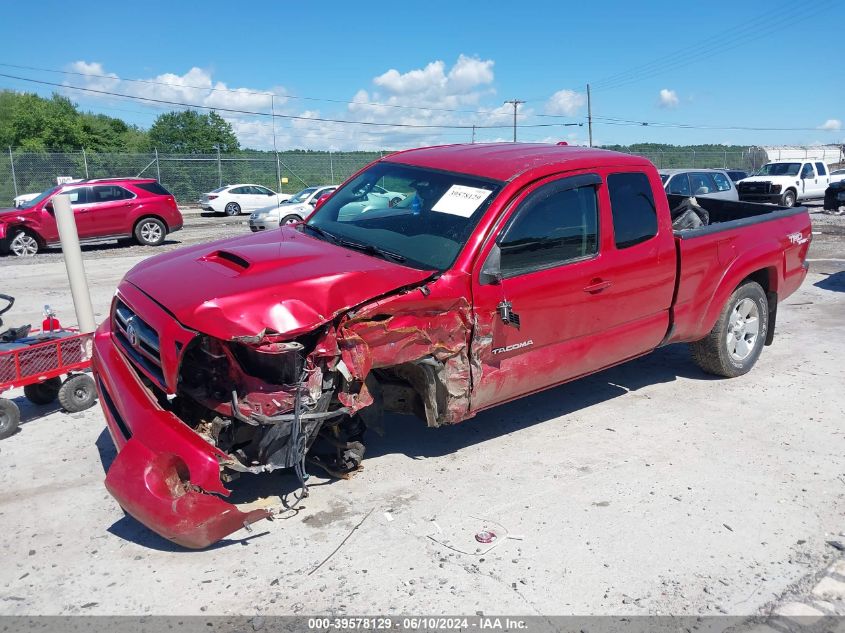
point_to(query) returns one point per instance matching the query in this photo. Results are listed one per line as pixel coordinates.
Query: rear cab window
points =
(632, 209)
(821, 169)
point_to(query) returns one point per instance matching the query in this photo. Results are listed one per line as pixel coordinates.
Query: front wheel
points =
(290, 219)
(23, 245)
(789, 198)
(10, 418)
(78, 393)
(150, 232)
(233, 208)
(735, 342)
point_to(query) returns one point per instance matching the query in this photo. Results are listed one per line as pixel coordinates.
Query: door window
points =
(821, 169)
(679, 185)
(632, 206)
(109, 193)
(78, 195)
(239, 191)
(722, 182)
(550, 228)
(807, 171)
(702, 183)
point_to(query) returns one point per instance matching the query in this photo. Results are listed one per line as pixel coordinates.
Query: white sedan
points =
(237, 199)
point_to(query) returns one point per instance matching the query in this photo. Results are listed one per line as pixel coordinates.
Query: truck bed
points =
(714, 259)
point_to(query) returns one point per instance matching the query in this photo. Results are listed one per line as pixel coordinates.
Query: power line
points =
(727, 41)
(663, 124)
(266, 114)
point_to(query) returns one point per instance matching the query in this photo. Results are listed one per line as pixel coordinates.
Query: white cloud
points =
(435, 94)
(668, 98)
(195, 87)
(566, 102)
(831, 124)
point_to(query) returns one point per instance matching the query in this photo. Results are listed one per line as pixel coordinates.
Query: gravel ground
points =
(648, 488)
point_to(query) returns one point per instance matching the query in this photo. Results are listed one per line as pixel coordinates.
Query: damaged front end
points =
(190, 412)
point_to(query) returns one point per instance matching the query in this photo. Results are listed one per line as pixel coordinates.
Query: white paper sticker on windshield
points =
(461, 200)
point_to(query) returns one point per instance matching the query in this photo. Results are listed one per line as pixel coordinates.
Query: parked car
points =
(24, 197)
(785, 183)
(237, 199)
(834, 198)
(518, 268)
(837, 175)
(104, 209)
(293, 210)
(712, 183)
(736, 174)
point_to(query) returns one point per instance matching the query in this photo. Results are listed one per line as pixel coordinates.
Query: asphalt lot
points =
(648, 488)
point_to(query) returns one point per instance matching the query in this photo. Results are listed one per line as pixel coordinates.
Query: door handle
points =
(597, 285)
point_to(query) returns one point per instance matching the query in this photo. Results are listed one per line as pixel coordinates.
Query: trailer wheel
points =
(10, 418)
(735, 342)
(43, 392)
(78, 393)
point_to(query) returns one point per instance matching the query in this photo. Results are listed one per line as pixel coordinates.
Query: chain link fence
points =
(189, 175)
(185, 175)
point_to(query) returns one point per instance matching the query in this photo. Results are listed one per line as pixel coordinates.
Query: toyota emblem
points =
(132, 335)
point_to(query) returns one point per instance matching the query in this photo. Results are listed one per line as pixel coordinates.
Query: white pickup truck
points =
(785, 183)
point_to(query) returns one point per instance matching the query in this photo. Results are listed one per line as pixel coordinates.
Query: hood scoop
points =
(230, 260)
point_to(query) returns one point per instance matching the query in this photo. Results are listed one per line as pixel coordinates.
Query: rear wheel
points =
(23, 244)
(10, 418)
(291, 218)
(78, 393)
(233, 208)
(43, 392)
(788, 199)
(735, 342)
(150, 232)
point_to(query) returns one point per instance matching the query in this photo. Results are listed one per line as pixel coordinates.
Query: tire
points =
(745, 318)
(291, 218)
(10, 418)
(150, 232)
(23, 244)
(78, 393)
(394, 201)
(43, 392)
(789, 198)
(233, 208)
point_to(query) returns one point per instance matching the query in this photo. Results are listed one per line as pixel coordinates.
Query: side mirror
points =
(491, 272)
(49, 207)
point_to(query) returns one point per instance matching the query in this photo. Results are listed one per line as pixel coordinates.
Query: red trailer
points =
(37, 360)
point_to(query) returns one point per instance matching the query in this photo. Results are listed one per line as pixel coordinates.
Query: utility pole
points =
(515, 103)
(589, 115)
(275, 151)
(473, 134)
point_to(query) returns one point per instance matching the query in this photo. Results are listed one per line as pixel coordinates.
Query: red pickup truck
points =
(505, 270)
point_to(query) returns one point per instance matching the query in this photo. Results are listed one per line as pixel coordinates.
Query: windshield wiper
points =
(322, 233)
(373, 250)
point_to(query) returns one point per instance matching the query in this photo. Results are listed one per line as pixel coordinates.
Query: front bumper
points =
(772, 198)
(165, 475)
(262, 223)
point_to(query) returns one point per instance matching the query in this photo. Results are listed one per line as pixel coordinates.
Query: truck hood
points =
(279, 281)
(770, 179)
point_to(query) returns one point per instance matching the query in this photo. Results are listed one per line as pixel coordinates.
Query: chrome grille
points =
(138, 340)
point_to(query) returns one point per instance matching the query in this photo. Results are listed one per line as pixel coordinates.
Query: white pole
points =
(73, 262)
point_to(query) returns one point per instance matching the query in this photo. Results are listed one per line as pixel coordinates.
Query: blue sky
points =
(707, 65)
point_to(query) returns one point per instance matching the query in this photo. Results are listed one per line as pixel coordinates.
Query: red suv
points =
(107, 208)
